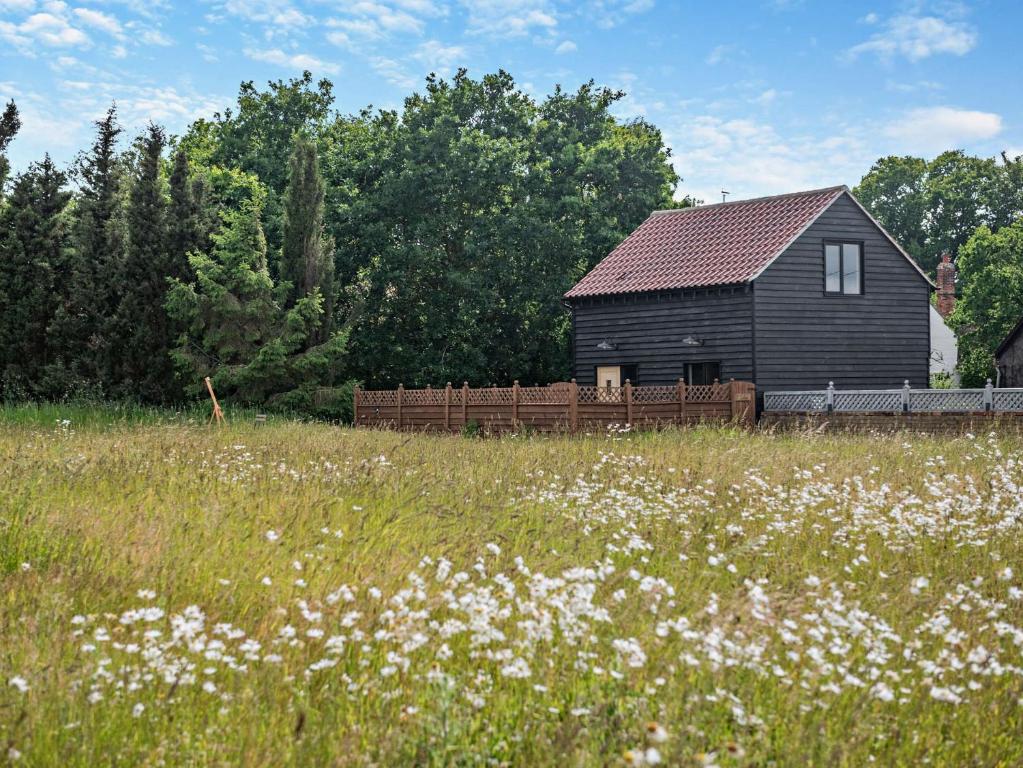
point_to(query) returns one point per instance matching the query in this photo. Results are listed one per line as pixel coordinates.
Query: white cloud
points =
(916, 37)
(510, 18)
(611, 13)
(378, 19)
(10, 6)
(291, 60)
(720, 53)
(566, 47)
(766, 98)
(393, 72)
(46, 28)
(750, 158)
(438, 57)
(933, 129)
(278, 13)
(100, 20)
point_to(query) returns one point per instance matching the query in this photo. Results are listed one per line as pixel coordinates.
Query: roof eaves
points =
(1008, 339)
(838, 192)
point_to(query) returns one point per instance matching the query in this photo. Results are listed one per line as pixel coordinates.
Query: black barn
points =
(789, 292)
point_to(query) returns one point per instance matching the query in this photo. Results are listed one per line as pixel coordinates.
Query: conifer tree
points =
(183, 218)
(33, 260)
(83, 325)
(307, 259)
(143, 331)
(10, 123)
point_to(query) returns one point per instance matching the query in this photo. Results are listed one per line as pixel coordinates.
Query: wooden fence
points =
(565, 407)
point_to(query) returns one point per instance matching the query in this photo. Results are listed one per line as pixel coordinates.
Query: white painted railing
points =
(905, 399)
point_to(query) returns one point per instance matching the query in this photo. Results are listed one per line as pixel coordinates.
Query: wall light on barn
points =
(692, 341)
(607, 345)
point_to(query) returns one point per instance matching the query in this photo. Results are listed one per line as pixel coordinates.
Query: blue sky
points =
(755, 97)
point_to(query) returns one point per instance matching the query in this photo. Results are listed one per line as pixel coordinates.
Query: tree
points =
(895, 191)
(146, 370)
(307, 258)
(82, 330)
(934, 207)
(256, 137)
(236, 330)
(991, 298)
(33, 263)
(184, 217)
(462, 221)
(10, 123)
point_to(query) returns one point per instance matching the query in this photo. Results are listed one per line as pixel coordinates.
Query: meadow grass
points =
(302, 594)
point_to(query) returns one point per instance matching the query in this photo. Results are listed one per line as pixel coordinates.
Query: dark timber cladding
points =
(806, 338)
(741, 288)
(648, 331)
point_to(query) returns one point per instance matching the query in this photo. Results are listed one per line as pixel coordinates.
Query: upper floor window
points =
(843, 268)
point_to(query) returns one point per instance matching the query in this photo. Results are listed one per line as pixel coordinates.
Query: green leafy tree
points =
(461, 222)
(33, 266)
(991, 298)
(256, 137)
(895, 191)
(10, 123)
(934, 207)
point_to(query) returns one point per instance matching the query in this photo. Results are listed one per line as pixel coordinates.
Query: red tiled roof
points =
(706, 245)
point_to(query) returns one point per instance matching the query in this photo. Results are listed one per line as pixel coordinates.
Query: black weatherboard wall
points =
(648, 331)
(805, 338)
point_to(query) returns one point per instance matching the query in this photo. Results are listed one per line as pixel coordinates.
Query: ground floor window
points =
(616, 375)
(706, 372)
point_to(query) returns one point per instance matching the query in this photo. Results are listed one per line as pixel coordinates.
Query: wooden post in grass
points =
(515, 404)
(355, 404)
(401, 393)
(465, 404)
(447, 407)
(628, 402)
(217, 415)
(681, 401)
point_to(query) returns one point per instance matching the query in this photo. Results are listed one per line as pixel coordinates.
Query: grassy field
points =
(302, 594)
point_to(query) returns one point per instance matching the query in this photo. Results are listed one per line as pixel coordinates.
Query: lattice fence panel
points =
(1007, 400)
(491, 396)
(795, 401)
(655, 394)
(954, 400)
(543, 396)
(601, 394)
(708, 393)
(423, 397)
(867, 400)
(378, 397)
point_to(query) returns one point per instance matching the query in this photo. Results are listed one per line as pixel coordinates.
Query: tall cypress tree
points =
(9, 125)
(144, 333)
(184, 232)
(33, 260)
(83, 325)
(307, 259)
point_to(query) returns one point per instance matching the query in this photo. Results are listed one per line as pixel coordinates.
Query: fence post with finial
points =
(447, 407)
(681, 401)
(515, 404)
(465, 404)
(401, 396)
(989, 396)
(628, 402)
(573, 406)
(829, 397)
(905, 396)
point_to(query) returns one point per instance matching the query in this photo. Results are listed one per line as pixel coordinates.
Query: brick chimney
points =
(946, 286)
